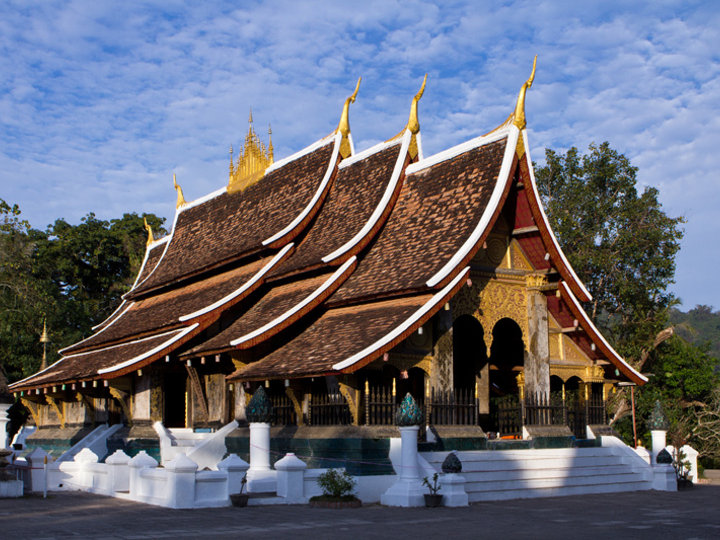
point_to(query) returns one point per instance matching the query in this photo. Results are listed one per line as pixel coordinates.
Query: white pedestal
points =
(408, 490)
(658, 442)
(4, 419)
(261, 478)
(453, 490)
(664, 478)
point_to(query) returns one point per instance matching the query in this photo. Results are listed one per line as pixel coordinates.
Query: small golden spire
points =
(180, 196)
(271, 150)
(148, 228)
(519, 115)
(413, 124)
(250, 120)
(344, 125)
(44, 339)
(232, 166)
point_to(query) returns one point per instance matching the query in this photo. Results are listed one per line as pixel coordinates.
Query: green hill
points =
(700, 325)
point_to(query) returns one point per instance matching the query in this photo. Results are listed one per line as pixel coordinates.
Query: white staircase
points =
(206, 449)
(96, 441)
(520, 474)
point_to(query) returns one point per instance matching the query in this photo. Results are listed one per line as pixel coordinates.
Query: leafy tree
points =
(73, 275)
(620, 242)
(700, 326)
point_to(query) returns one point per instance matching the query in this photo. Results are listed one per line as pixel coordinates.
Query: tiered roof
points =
(342, 255)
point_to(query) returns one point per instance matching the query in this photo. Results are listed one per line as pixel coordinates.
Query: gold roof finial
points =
(519, 115)
(344, 125)
(232, 165)
(413, 124)
(148, 228)
(271, 151)
(180, 196)
(44, 339)
(252, 161)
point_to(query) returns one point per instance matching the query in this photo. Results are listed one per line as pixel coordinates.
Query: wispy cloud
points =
(101, 101)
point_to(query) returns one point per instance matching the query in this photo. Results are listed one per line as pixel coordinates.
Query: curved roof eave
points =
(546, 232)
(598, 338)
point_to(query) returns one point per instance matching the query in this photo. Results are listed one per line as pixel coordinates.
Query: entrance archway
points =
(469, 351)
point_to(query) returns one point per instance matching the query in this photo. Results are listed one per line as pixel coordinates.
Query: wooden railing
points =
(457, 407)
(328, 410)
(283, 411)
(380, 406)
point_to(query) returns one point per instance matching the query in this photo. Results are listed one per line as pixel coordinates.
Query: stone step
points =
(527, 474)
(525, 492)
(550, 481)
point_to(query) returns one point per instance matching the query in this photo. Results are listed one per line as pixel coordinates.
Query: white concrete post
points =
(181, 482)
(290, 478)
(137, 464)
(260, 477)
(691, 456)
(119, 471)
(658, 442)
(35, 460)
(4, 419)
(408, 490)
(453, 490)
(235, 468)
(86, 458)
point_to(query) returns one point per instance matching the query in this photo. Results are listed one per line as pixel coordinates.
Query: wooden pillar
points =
(537, 352)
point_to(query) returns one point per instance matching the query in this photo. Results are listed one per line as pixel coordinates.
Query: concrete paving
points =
(694, 513)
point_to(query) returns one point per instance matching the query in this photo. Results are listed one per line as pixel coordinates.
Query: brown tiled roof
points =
(230, 226)
(356, 192)
(163, 310)
(335, 336)
(437, 210)
(86, 365)
(149, 265)
(274, 303)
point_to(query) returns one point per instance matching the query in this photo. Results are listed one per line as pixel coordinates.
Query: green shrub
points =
(336, 484)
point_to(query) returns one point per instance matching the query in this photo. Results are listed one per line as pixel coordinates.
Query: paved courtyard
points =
(688, 514)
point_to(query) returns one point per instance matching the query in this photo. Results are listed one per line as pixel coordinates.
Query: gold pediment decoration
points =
(253, 160)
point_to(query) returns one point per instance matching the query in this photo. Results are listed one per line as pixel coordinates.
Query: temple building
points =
(340, 281)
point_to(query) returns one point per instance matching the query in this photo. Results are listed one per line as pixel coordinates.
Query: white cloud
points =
(101, 101)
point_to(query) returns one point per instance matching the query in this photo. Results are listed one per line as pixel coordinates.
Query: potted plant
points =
(240, 499)
(337, 490)
(682, 470)
(433, 498)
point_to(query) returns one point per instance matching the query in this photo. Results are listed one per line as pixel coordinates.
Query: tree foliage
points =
(72, 275)
(620, 242)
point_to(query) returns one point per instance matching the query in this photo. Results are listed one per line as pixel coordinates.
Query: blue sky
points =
(100, 102)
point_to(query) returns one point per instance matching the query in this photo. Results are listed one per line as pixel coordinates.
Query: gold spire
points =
(252, 160)
(519, 115)
(271, 151)
(44, 339)
(413, 123)
(344, 125)
(180, 196)
(150, 238)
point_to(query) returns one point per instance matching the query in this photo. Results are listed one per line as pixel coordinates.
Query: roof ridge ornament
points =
(519, 114)
(413, 124)
(344, 125)
(148, 228)
(252, 161)
(180, 196)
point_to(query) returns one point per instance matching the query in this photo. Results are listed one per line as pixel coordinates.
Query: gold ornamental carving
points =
(253, 160)
(518, 258)
(34, 409)
(536, 281)
(122, 399)
(57, 407)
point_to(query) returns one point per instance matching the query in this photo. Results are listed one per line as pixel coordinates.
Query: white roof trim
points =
(382, 205)
(458, 149)
(203, 199)
(182, 333)
(437, 297)
(168, 240)
(326, 179)
(307, 150)
(317, 292)
(545, 219)
(587, 322)
(503, 176)
(369, 152)
(279, 256)
(129, 305)
(122, 304)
